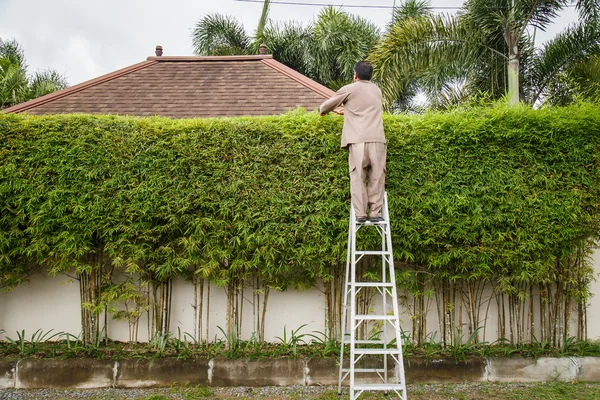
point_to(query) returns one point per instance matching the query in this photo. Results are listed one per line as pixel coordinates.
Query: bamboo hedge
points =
(487, 200)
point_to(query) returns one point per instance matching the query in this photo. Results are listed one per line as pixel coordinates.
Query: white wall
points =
(594, 304)
(48, 302)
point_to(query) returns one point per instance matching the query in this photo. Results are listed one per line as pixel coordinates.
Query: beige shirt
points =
(363, 112)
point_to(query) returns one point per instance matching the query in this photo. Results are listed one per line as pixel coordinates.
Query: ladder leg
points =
(384, 263)
(375, 347)
(353, 294)
(345, 304)
(400, 377)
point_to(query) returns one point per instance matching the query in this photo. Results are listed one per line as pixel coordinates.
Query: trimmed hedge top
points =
(481, 193)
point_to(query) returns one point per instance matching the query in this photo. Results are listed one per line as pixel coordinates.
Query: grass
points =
(467, 391)
(294, 345)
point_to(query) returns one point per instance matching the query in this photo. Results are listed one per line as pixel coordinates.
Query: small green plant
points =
(26, 347)
(160, 344)
(459, 351)
(323, 345)
(232, 342)
(290, 346)
(181, 346)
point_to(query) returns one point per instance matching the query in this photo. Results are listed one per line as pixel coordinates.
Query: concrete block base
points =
(7, 374)
(165, 372)
(161, 372)
(79, 374)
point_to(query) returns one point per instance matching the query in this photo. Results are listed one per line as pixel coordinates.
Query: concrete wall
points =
(48, 302)
(167, 372)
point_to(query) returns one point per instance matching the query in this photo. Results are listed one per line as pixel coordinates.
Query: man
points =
(363, 136)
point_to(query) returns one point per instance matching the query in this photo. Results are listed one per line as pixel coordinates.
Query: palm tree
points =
(222, 35)
(340, 41)
(580, 82)
(15, 86)
(487, 48)
(325, 51)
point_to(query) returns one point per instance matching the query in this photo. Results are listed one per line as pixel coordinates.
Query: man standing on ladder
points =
(363, 136)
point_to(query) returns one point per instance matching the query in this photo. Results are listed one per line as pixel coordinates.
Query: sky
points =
(84, 39)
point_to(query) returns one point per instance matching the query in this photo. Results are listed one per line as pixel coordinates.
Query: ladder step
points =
(372, 317)
(365, 341)
(365, 370)
(373, 252)
(378, 352)
(369, 222)
(379, 386)
(373, 284)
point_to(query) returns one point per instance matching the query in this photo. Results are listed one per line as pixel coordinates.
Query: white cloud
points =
(87, 38)
(77, 55)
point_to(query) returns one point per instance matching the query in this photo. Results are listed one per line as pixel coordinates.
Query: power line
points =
(297, 3)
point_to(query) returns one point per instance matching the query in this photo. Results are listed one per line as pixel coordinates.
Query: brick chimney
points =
(262, 50)
(158, 51)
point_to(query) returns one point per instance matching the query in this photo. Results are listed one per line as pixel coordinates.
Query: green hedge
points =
(481, 193)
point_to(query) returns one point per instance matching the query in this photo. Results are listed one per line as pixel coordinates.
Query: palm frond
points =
(586, 75)
(262, 23)
(539, 13)
(341, 40)
(217, 34)
(577, 43)
(441, 46)
(411, 9)
(290, 44)
(12, 51)
(581, 82)
(589, 10)
(46, 81)
(13, 85)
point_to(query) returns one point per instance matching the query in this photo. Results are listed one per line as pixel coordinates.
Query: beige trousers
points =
(367, 160)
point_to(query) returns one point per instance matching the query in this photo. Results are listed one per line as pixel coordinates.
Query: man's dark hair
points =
(364, 70)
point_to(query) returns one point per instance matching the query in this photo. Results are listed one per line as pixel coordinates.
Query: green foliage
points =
(464, 57)
(325, 51)
(15, 85)
(290, 345)
(505, 196)
(26, 347)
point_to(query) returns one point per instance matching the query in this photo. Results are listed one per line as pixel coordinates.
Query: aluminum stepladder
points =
(386, 288)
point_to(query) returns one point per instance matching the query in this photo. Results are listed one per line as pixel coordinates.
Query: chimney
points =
(158, 51)
(262, 50)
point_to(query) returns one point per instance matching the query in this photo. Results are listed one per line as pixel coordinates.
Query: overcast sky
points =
(83, 39)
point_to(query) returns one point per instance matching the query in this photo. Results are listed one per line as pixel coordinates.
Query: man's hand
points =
(339, 110)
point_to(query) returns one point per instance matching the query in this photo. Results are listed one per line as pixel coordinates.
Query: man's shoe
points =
(377, 220)
(361, 220)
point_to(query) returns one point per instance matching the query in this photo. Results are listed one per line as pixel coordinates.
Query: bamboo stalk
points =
(255, 300)
(195, 307)
(207, 310)
(241, 309)
(510, 318)
(531, 315)
(264, 313)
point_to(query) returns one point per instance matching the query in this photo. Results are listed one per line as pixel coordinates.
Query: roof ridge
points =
(76, 88)
(212, 58)
(298, 77)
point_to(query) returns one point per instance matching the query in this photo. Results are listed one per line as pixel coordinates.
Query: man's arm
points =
(334, 103)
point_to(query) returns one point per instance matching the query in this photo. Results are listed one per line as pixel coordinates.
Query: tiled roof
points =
(186, 87)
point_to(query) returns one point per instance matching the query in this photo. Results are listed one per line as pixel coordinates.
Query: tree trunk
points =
(512, 41)
(513, 74)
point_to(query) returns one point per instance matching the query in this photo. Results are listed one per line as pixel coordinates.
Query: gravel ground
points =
(461, 391)
(271, 392)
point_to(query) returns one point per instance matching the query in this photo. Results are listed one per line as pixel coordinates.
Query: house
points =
(177, 87)
(188, 87)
